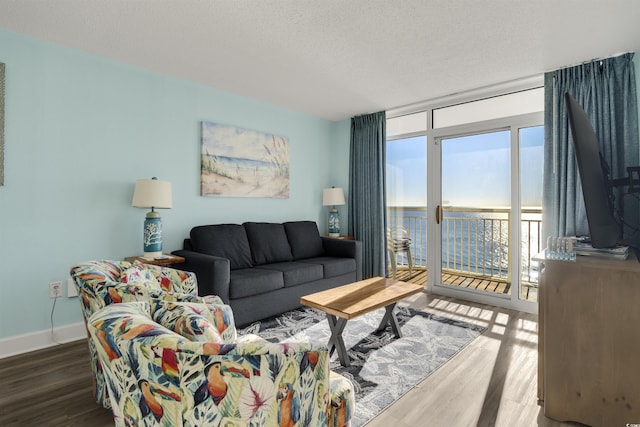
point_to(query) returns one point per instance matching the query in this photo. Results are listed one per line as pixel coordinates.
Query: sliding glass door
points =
(487, 189)
(531, 147)
(464, 187)
(475, 212)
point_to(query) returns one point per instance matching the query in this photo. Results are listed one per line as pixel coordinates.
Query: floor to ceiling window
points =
(406, 177)
(464, 185)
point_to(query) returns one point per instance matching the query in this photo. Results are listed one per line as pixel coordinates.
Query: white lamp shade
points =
(332, 197)
(152, 193)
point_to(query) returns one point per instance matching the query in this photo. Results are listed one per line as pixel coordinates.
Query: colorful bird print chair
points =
(101, 283)
(166, 365)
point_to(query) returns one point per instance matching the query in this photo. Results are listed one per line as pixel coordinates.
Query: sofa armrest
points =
(345, 249)
(213, 273)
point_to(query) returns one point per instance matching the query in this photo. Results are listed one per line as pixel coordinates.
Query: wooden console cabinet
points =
(589, 341)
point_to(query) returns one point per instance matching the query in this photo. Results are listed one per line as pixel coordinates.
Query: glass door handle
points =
(438, 213)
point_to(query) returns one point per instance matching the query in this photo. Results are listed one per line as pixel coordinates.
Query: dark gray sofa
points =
(262, 269)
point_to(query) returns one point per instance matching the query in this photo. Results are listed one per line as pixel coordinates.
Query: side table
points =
(341, 237)
(166, 259)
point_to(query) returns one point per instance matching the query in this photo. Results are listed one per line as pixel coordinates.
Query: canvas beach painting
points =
(238, 162)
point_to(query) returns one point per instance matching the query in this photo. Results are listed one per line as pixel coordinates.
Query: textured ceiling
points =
(336, 59)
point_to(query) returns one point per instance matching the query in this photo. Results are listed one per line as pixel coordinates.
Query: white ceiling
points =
(334, 59)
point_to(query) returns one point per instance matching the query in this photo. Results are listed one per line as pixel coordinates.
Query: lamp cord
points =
(53, 307)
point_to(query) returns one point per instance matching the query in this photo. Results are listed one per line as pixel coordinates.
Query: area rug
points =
(383, 368)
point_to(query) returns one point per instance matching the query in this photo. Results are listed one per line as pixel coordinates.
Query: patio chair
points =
(399, 242)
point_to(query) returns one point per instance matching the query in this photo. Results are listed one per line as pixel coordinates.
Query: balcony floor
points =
(529, 290)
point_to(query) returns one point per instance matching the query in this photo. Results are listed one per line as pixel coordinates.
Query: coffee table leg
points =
(336, 325)
(390, 317)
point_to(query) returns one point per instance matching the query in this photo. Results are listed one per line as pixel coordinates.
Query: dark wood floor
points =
(50, 387)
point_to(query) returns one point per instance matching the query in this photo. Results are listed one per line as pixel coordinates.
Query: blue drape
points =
(367, 198)
(606, 89)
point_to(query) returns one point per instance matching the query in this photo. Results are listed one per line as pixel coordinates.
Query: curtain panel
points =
(367, 194)
(606, 89)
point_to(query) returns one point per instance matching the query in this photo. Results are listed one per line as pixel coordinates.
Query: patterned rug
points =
(383, 368)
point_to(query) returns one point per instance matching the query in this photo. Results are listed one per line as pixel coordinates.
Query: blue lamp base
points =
(152, 239)
(334, 223)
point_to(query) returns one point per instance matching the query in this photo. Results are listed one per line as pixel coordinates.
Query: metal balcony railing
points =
(475, 241)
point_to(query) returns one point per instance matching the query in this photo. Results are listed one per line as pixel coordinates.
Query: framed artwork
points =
(1, 124)
(239, 162)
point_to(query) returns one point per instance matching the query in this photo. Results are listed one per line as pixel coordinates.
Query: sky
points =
(230, 141)
(475, 170)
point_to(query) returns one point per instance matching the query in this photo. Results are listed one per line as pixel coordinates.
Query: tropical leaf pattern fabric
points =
(139, 274)
(99, 284)
(172, 280)
(343, 401)
(157, 377)
(193, 321)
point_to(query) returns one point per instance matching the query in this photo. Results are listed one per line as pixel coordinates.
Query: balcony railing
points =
(475, 241)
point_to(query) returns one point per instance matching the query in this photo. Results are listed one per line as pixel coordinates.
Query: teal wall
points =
(79, 130)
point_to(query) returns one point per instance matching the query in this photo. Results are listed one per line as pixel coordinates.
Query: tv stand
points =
(589, 341)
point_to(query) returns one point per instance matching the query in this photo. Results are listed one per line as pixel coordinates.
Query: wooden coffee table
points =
(346, 302)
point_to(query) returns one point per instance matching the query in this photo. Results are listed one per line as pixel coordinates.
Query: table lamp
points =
(155, 194)
(333, 197)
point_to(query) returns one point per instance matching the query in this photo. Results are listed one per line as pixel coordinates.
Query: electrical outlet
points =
(71, 289)
(55, 289)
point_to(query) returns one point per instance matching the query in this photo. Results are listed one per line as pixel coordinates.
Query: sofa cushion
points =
(268, 242)
(225, 241)
(253, 281)
(193, 321)
(295, 273)
(333, 267)
(304, 239)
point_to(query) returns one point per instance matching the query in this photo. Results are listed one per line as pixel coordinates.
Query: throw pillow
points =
(191, 320)
(173, 280)
(139, 274)
(131, 292)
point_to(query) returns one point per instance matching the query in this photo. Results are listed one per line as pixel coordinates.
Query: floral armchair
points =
(165, 364)
(101, 283)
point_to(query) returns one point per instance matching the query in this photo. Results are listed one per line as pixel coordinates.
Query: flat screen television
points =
(605, 227)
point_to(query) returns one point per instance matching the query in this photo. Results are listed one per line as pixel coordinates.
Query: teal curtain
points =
(606, 89)
(367, 197)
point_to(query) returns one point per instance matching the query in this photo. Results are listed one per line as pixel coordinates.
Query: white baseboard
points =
(42, 339)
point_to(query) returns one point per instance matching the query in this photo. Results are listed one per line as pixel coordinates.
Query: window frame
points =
(433, 136)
